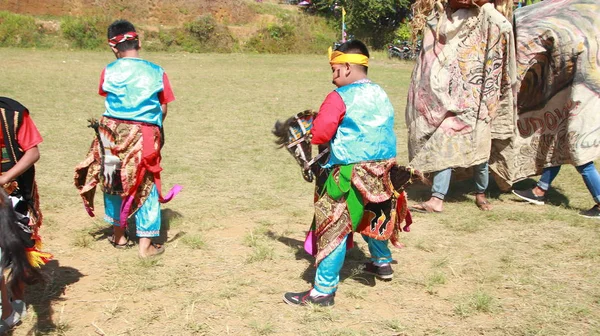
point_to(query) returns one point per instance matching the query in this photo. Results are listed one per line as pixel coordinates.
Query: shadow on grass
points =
(167, 215)
(40, 297)
(352, 267)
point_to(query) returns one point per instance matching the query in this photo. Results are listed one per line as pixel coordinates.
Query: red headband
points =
(130, 36)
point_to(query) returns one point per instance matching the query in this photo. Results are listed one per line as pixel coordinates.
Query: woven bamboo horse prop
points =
(294, 135)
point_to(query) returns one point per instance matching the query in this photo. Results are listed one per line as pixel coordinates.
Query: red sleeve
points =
(166, 95)
(100, 91)
(28, 136)
(330, 115)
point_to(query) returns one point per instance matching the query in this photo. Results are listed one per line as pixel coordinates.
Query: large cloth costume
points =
(558, 55)
(23, 192)
(462, 94)
(125, 154)
(357, 194)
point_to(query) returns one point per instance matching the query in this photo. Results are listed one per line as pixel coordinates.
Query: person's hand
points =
(3, 180)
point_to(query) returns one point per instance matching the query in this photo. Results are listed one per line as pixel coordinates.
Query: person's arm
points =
(166, 95)
(328, 119)
(30, 157)
(28, 139)
(164, 110)
(100, 90)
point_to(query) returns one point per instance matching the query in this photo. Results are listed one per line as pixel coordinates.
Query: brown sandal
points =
(111, 240)
(159, 249)
(484, 205)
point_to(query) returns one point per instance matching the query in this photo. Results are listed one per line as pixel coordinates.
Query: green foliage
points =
(289, 32)
(275, 38)
(205, 34)
(374, 21)
(202, 35)
(403, 33)
(294, 35)
(84, 32)
(18, 30)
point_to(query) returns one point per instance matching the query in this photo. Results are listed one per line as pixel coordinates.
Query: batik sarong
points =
(463, 88)
(359, 198)
(125, 159)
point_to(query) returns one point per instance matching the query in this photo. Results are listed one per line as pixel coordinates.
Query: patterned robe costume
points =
(462, 95)
(558, 62)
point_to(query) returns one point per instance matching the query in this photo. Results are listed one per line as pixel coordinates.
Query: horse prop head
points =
(294, 135)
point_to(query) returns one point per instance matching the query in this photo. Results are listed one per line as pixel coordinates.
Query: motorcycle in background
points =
(404, 51)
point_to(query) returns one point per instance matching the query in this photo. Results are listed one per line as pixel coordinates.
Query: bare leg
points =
(482, 202)
(538, 191)
(147, 249)
(6, 306)
(19, 294)
(119, 235)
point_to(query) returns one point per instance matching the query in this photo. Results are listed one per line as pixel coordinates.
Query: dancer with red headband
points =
(125, 156)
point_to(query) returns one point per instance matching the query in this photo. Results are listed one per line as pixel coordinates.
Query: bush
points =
(204, 34)
(403, 33)
(274, 39)
(85, 32)
(156, 40)
(18, 30)
(300, 34)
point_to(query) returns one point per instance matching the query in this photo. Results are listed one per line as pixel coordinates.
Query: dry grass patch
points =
(236, 231)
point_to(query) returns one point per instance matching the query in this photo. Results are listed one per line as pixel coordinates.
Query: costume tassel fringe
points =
(36, 257)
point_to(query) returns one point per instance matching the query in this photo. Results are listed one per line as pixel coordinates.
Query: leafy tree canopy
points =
(374, 21)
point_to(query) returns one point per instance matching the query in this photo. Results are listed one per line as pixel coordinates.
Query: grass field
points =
(236, 230)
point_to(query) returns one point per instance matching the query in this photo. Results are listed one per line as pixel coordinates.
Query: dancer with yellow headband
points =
(356, 121)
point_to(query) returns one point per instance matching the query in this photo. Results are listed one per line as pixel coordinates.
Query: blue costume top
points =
(132, 86)
(366, 132)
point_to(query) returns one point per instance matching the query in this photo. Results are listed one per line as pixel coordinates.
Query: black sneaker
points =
(529, 196)
(384, 272)
(594, 212)
(304, 298)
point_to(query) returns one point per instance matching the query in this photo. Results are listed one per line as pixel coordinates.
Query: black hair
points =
(13, 246)
(355, 47)
(121, 27)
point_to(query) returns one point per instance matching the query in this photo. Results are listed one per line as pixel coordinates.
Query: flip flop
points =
(4, 327)
(423, 208)
(20, 307)
(124, 246)
(160, 249)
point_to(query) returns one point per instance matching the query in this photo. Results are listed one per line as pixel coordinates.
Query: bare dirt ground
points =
(234, 235)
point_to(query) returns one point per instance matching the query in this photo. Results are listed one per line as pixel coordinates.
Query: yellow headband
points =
(338, 57)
